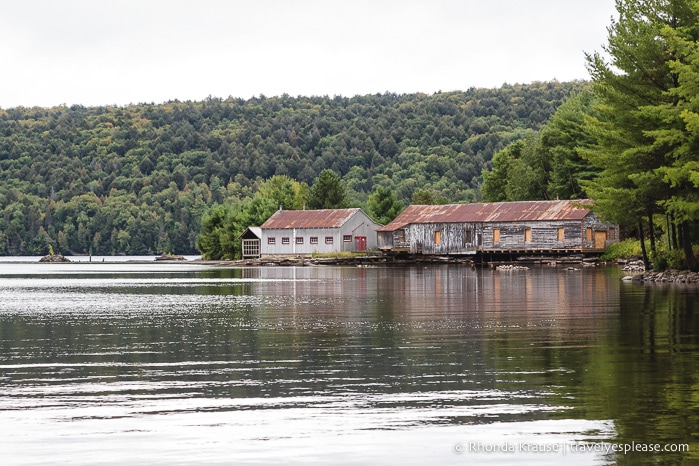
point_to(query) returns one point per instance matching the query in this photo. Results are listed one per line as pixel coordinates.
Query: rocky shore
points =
(667, 276)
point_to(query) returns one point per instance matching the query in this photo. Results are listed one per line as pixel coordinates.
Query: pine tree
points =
(635, 87)
(383, 205)
(328, 191)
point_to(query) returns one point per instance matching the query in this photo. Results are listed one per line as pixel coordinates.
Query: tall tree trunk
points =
(686, 240)
(646, 263)
(651, 234)
(673, 226)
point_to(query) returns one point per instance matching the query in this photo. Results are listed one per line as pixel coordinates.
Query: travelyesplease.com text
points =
(568, 447)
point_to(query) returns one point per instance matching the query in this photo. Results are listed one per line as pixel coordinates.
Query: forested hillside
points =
(137, 179)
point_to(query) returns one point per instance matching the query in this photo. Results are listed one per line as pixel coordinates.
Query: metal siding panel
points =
(350, 221)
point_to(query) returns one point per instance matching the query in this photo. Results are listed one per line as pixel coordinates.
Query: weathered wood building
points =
(498, 227)
(304, 232)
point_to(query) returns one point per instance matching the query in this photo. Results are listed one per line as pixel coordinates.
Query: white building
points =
(304, 232)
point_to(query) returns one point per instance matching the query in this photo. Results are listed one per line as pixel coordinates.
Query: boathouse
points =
(498, 227)
(305, 232)
(251, 242)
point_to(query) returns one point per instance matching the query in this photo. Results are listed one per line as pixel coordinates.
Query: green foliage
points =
(285, 192)
(563, 140)
(664, 259)
(328, 192)
(548, 164)
(519, 173)
(625, 249)
(383, 205)
(217, 238)
(137, 179)
(423, 197)
(645, 148)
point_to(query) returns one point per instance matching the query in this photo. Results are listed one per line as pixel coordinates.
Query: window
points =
(285, 240)
(527, 235)
(251, 248)
(612, 233)
(299, 240)
(314, 240)
(468, 237)
(347, 238)
(561, 235)
(437, 237)
(271, 240)
(328, 240)
(496, 235)
(588, 234)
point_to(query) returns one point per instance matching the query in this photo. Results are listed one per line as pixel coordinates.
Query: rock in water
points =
(54, 258)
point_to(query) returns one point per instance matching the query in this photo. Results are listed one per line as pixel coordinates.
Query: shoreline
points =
(667, 276)
(635, 273)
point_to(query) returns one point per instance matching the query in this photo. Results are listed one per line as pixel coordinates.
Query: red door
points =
(361, 243)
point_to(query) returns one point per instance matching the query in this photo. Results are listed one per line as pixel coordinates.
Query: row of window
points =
(527, 235)
(467, 237)
(560, 235)
(311, 239)
(589, 234)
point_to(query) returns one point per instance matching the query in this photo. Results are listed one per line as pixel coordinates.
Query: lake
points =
(180, 363)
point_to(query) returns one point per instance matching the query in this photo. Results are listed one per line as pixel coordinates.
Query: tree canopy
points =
(645, 135)
(547, 164)
(138, 179)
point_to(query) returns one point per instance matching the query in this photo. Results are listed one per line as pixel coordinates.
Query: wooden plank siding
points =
(524, 226)
(532, 236)
(454, 238)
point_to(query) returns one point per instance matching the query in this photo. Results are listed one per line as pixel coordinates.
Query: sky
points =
(121, 52)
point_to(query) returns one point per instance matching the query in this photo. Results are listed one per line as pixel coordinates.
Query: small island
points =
(169, 257)
(53, 257)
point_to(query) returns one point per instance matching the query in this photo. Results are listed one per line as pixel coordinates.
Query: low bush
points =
(664, 260)
(622, 250)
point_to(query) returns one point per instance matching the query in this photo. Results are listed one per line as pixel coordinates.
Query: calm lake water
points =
(127, 363)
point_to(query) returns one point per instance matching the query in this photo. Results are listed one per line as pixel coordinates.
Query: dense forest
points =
(138, 179)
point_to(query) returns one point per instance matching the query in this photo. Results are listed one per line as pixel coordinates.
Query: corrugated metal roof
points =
(322, 218)
(491, 212)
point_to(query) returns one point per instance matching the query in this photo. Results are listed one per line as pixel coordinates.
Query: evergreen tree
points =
(217, 239)
(327, 192)
(680, 138)
(562, 139)
(520, 173)
(423, 197)
(383, 205)
(636, 88)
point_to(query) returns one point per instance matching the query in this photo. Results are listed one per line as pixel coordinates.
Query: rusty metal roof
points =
(322, 218)
(491, 212)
